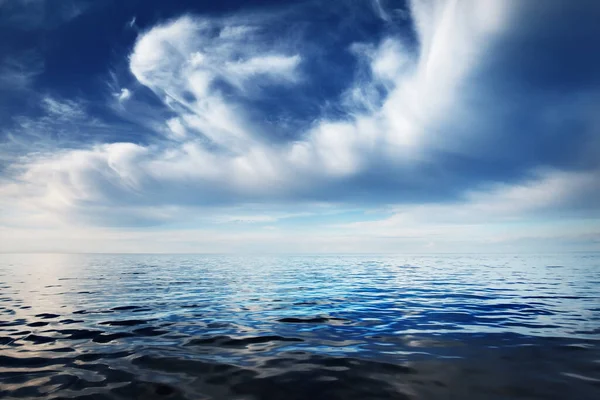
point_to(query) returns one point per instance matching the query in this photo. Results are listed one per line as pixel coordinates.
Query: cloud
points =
(19, 72)
(131, 22)
(554, 210)
(279, 67)
(420, 121)
(64, 110)
(570, 194)
(124, 95)
(61, 123)
(198, 66)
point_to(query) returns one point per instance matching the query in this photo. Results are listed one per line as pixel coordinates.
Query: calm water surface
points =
(299, 327)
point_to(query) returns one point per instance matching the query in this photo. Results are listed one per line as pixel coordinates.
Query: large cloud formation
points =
(453, 100)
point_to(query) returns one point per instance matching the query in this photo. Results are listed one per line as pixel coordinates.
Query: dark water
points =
(298, 327)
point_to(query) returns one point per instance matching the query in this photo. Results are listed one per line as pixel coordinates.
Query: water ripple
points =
(322, 327)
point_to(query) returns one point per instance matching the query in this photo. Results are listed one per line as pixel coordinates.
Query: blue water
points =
(300, 327)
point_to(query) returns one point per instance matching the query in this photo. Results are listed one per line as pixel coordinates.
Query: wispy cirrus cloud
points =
(17, 72)
(59, 124)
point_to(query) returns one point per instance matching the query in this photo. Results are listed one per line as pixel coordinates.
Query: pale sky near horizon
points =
(299, 126)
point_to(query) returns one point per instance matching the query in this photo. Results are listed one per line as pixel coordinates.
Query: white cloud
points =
(176, 128)
(124, 94)
(547, 193)
(380, 10)
(280, 67)
(62, 124)
(390, 60)
(63, 109)
(208, 72)
(183, 61)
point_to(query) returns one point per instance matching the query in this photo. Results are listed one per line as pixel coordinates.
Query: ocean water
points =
(300, 327)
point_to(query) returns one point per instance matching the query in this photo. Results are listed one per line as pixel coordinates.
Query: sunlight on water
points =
(298, 327)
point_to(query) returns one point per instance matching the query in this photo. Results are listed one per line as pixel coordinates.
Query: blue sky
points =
(300, 126)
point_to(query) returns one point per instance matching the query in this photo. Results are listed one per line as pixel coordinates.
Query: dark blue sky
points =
(79, 43)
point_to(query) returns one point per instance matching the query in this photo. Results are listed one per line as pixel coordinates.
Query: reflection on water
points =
(298, 327)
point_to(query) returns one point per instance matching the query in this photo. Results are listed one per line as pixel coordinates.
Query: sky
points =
(356, 126)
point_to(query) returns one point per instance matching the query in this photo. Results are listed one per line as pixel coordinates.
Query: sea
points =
(442, 326)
